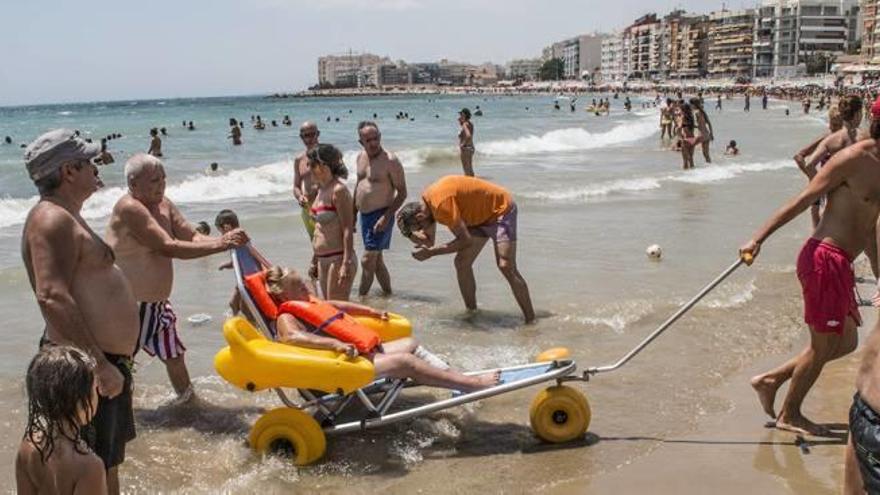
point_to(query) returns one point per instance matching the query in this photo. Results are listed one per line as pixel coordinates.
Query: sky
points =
(95, 50)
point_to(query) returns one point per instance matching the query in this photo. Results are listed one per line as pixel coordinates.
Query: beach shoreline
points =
(732, 453)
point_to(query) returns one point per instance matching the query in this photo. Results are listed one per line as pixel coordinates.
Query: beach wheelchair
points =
(327, 382)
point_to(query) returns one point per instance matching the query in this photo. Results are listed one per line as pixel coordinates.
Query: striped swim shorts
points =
(159, 330)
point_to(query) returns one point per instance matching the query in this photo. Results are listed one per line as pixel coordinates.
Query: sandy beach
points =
(729, 453)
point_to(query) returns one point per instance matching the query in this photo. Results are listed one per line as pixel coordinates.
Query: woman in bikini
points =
(704, 126)
(686, 133)
(333, 213)
(466, 141)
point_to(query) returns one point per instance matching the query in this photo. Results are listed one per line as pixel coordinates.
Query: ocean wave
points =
(572, 139)
(65, 112)
(616, 316)
(413, 159)
(732, 296)
(265, 180)
(597, 190)
(703, 175)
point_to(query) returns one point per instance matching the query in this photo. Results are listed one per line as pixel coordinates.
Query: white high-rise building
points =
(612, 65)
(789, 32)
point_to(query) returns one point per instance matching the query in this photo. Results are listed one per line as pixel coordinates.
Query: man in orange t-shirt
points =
(474, 210)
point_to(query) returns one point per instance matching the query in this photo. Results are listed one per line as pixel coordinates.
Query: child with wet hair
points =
(62, 400)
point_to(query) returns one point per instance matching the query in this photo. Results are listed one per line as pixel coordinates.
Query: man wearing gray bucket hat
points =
(83, 296)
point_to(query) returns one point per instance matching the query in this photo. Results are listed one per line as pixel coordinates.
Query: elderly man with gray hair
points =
(147, 231)
(84, 298)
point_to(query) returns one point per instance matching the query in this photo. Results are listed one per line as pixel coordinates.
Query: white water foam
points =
(572, 139)
(265, 180)
(703, 175)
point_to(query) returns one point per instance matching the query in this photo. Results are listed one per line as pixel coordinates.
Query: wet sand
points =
(730, 452)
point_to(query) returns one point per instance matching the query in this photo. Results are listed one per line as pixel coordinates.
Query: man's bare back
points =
(375, 189)
(99, 288)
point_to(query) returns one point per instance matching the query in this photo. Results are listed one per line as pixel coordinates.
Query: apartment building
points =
(789, 32)
(868, 13)
(685, 39)
(349, 70)
(730, 43)
(580, 55)
(642, 42)
(612, 59)
(525, 69)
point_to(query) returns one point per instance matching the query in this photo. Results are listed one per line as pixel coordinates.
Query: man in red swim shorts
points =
(851, 181)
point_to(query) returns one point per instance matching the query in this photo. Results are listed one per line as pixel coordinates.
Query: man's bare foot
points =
(801, 425)
(766, 391)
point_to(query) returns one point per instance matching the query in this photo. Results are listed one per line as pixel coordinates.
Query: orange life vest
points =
(325, 317)
(256, 287)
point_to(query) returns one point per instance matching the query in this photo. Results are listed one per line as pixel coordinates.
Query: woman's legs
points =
(323, 275)
(467, 161)
(409, 366)
(339, 289)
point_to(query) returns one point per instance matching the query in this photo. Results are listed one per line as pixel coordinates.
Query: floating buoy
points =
(654, 252)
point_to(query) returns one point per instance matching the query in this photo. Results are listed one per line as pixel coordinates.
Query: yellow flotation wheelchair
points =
(327, 382)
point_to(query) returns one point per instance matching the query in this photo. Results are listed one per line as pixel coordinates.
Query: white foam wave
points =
(715, 173)
(266, 180)
(703, 175)
(597, 190)
(621, 315)
(572, 139)
(65, 112)
(732, 297)
(412, 159)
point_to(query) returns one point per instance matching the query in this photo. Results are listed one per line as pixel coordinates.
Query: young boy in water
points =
(62, 399)
(731, 150)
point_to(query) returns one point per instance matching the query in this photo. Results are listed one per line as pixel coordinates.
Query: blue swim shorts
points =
(375, 241)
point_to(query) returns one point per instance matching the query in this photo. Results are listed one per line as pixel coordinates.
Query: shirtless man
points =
(155, 143)
(83, 296)
(474, 210)
(147, 231)
(849, 114)
(380, 191)
(851, 182)
(862, 471)
(304, 188)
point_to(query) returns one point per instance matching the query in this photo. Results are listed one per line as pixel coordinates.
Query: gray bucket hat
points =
(48, 152)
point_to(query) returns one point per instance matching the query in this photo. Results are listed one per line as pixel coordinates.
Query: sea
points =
(593, 193)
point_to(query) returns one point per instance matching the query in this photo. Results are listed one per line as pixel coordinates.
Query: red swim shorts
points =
(828, 283)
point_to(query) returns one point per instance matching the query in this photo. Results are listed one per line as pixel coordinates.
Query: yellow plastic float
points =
(253, 362)
(395, 327)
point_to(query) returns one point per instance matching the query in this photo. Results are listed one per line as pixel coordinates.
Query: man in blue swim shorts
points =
(380, 191)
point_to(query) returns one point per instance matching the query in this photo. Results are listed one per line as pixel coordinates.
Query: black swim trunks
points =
(864, 428)
(113, 424)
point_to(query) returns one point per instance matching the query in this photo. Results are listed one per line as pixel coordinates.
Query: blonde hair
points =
(273, 280)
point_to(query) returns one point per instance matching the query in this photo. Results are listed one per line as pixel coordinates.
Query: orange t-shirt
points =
(475, 201)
